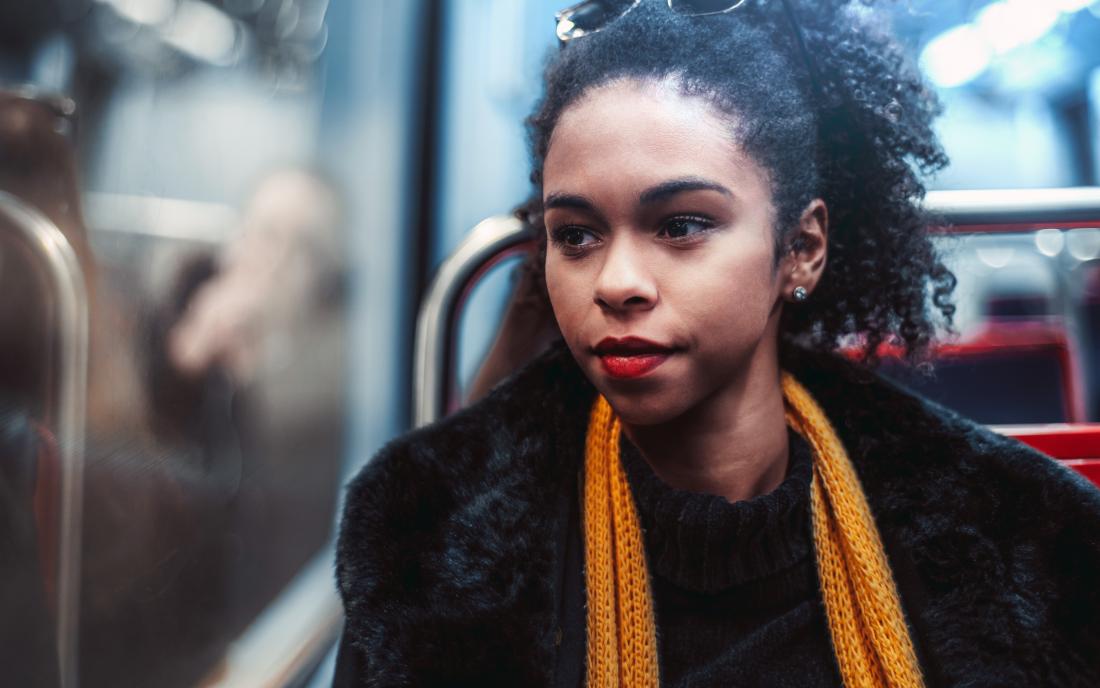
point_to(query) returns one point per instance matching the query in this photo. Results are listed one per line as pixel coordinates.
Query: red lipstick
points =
(631, 357)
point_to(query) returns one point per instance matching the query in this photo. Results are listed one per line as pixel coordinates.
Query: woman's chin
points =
(642, 409)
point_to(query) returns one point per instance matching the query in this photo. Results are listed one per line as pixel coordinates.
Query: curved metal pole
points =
(484, 245)
(995, 210)
(66, 280)
(1016, 206)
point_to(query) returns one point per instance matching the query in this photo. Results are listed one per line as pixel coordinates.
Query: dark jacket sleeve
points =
(388, 560)
(446, 561)
(1042, 524)
(365, 566)
(1072, 553)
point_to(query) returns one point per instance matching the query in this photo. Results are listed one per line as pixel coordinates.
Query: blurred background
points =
(257, 193)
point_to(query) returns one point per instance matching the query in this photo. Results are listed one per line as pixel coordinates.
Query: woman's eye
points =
(574, 237)
(683, 227)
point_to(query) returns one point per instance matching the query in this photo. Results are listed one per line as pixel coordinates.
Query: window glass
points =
(233, 180)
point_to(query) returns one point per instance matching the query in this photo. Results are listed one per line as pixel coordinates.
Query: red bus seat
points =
(1009, 372)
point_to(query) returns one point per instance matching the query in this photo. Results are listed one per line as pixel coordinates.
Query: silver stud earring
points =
(800, 294)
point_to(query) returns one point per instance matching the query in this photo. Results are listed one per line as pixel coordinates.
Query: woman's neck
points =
(733, 444)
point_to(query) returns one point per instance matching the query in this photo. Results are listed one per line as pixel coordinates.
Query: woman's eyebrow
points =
(675, 186)
(651, 195)
(567, 200)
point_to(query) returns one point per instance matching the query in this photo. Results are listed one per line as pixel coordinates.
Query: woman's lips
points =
(630, 357)
(627, 367)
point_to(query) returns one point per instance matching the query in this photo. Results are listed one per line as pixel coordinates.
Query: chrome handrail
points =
(486, 244)
(493, 237)
(1016, 206)
(66, 279)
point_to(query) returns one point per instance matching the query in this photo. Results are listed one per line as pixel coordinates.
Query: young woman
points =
(694, 489)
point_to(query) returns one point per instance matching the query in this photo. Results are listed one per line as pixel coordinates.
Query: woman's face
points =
(660, 249)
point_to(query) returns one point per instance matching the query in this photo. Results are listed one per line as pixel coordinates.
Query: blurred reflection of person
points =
(37, 168)
(259, 325)
(282, 265)
(266, 312)
(153, 563)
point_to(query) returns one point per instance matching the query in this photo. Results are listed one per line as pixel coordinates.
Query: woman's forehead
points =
(640, 133)
(632, 97)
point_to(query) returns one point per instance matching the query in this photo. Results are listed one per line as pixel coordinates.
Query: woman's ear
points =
(805, 253)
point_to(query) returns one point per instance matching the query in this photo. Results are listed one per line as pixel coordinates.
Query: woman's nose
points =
(625, 282)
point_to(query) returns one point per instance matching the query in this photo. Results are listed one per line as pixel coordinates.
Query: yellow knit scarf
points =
(870, 638)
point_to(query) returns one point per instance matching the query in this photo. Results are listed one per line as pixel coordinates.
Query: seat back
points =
(1007, 373)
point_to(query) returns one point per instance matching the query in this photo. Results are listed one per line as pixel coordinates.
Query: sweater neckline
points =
(705, 543)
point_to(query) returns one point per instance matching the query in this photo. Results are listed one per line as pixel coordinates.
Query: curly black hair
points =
(847, 119)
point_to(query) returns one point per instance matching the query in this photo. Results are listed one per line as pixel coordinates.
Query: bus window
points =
(236, 181)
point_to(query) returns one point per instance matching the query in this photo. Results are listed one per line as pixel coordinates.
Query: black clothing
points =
(734, 584)
(457, 564)
(703, 543)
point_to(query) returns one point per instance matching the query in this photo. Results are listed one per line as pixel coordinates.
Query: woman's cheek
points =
(562, 299)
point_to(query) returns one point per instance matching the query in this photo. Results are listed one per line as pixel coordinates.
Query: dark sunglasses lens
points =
(591, 16)
(697, 7)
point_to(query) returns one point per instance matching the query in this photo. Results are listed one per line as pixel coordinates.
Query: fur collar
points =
(451, 549)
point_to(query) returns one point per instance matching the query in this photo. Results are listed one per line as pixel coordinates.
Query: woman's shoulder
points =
(460, 515)
(471, 446)
(945, 483)
(1003, 542)
(449, 469)
(897, 437)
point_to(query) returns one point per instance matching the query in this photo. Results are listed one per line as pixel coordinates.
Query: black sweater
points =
(455, 556)
(735, 584)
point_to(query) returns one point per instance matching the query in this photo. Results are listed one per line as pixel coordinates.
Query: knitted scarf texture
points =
(866, 624)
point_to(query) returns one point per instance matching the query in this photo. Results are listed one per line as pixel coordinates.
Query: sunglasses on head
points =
(592, 15)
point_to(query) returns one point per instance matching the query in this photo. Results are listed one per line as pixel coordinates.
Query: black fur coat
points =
(450, 559)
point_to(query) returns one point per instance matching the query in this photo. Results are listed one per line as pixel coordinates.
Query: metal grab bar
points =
(992, 210)
(66, 280)
(489, 242)
(1076, 206)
